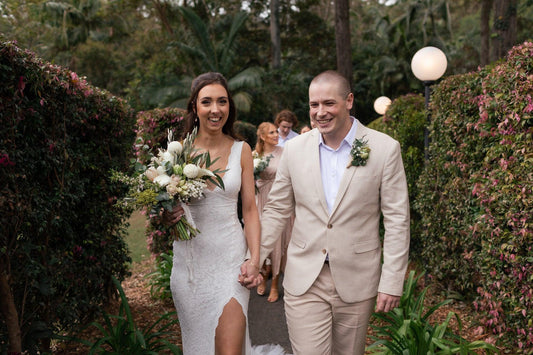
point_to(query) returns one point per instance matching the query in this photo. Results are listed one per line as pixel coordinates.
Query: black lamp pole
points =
(427, 94)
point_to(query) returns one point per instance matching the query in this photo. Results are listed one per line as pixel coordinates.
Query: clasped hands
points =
(250, 276)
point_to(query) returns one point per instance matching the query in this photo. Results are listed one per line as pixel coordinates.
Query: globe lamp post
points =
(382, 104)
(428, 65)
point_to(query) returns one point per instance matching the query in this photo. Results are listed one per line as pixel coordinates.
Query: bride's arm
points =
(252, 227)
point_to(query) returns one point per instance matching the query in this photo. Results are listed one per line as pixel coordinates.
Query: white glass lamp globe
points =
(382, 104)
(429, 64)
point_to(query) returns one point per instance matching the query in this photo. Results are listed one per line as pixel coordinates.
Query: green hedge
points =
(475, 194)
(405, 120)
(61, 233)
(152, 130)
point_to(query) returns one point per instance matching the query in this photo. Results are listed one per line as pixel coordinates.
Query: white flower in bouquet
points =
(257, 161)
(161, 170)
(191, 171)
(172, 187)
(169, 157)
(151, 173)
(162, 180)
(175, 148)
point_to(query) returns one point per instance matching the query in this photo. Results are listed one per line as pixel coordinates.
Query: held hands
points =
(250, 276)
(172, 217)
(386, 303)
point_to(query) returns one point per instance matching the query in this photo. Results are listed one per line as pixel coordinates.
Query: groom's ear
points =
(349, 101)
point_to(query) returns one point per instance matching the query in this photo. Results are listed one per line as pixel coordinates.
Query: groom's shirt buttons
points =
(330, 226)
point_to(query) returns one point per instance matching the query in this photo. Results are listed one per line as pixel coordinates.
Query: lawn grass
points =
(136, 238)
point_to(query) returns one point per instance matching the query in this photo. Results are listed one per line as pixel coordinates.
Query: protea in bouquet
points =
(176, 175)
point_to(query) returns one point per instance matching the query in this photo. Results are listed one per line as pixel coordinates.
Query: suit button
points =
(324, 251)
(330, 226)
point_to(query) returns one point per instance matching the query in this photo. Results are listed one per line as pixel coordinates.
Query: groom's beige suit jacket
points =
(349, 235)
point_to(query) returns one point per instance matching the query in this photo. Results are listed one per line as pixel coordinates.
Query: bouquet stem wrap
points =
(185, 228)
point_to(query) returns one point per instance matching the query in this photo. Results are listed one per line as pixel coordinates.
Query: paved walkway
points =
(267, 320)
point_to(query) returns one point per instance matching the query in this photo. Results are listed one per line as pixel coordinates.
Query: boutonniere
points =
(360, 152)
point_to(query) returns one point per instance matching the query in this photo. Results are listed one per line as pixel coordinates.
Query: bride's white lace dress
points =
(205, 269)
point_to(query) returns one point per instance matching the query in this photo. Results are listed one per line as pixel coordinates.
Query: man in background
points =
(285, 121)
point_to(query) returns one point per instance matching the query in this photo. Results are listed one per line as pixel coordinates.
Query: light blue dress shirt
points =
(281, 141)
(333, 164)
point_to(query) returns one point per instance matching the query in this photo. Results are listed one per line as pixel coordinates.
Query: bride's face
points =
(212, 107)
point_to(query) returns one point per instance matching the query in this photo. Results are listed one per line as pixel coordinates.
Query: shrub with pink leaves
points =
(475, 194)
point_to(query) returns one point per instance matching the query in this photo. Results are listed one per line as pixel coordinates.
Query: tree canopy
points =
(148, 51)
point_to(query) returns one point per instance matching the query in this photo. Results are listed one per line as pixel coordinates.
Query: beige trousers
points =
(320, 323)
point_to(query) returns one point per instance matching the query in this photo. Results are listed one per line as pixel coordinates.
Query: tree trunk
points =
(160, 8)
(486, 6)
(10, 315)
(275, 40)
(342, 36)
(504, 27)
(274, 34)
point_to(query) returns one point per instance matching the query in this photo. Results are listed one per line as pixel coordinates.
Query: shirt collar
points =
(350, 137)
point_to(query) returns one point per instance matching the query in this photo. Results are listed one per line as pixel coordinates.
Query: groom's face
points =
(329, 110)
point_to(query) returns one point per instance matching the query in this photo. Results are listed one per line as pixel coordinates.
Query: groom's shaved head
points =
(331, 76)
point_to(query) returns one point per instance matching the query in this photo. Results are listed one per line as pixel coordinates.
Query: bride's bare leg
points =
(229, 335)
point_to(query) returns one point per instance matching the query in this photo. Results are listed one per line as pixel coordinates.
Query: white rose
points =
(162, 180)
(175, 148)
(257, 161)
(151, 173)
(161, 170)
(191, 171)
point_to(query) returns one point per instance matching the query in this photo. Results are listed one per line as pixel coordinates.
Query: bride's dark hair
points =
(198, 84)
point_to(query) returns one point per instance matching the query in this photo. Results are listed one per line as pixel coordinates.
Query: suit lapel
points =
(315, 170)
(349, 172)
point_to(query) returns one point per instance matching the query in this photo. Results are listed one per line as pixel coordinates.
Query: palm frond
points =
(248, 78)
(201, 34)
(243, 101)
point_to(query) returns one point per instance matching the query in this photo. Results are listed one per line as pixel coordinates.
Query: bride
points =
(210, 278)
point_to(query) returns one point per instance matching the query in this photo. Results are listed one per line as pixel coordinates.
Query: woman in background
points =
(267, 140)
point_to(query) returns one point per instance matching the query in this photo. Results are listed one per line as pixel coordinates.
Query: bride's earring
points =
(196, 120)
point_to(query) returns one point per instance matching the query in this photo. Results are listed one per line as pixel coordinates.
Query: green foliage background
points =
(61, 232)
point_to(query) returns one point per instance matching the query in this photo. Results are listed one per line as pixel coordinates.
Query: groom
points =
(335, 265)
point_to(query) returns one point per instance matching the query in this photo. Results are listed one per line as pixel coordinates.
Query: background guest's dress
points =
(264, 184)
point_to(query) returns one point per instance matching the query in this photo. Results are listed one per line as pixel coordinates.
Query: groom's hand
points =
(386, 302)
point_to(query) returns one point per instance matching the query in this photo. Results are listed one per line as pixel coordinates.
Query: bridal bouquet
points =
(176, 175)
